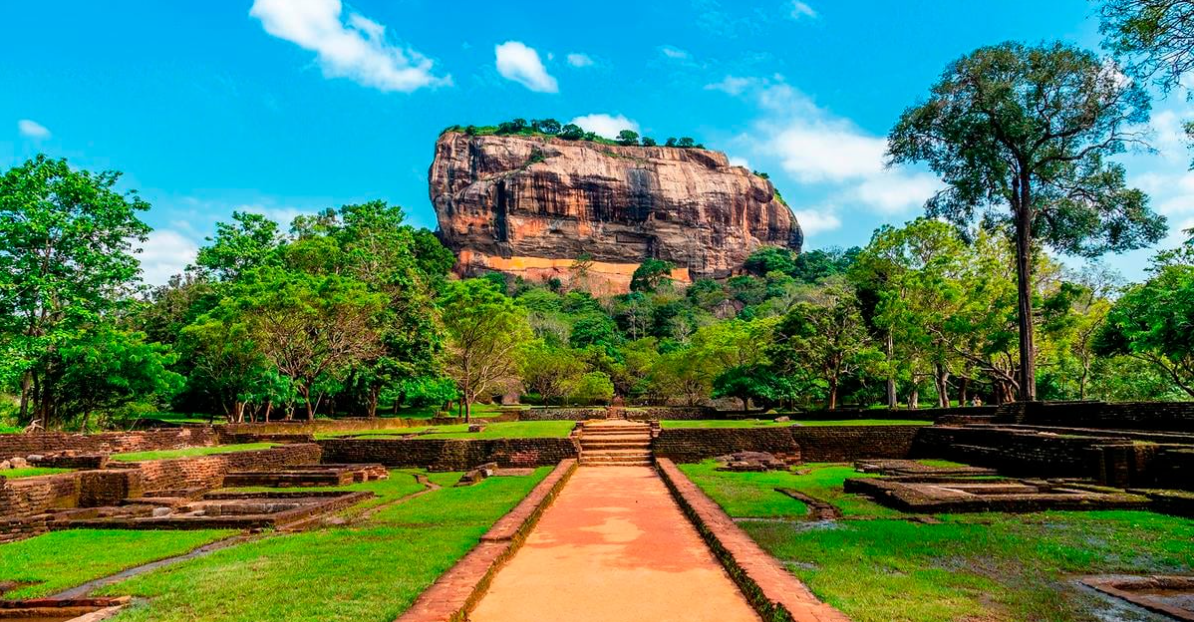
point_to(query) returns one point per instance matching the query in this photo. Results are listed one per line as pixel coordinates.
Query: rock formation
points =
(530, 205)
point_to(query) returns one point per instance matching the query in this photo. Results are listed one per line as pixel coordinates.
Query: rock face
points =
(531, 205)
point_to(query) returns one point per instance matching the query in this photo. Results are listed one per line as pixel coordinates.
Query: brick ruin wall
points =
(807, 444)
(20, 445)
(900, 414)
(33, 495)
(450, 454)
(1013, 452)
(1151, 416)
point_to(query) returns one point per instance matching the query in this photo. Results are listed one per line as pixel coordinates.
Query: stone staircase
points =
(615, 442)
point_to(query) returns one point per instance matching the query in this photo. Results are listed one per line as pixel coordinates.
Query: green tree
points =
(627, 138)
(312, 328)
(592, 387)
(571, 131)
(550, 372)
(747, 382)
(103, 369)
(828, 342)
(486, 332)
(770, 259)
(66, 265)
(650, 274)
(649, 142)
(1030, 128)
(1152, 322)
(248, 242)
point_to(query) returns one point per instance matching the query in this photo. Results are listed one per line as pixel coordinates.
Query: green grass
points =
(754, 495)
(767, 423)
(511, 429)
(31, 472)
(60, 560)
(988, 567)
(9, 429)
(188, 452)
(370, 573)
(180, 418)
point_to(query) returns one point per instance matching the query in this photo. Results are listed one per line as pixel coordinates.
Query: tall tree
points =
(247, 242)
(1029, 129)
(66, 263)
(485, 332)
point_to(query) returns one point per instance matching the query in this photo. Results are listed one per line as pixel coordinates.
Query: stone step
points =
(601, 463)
(616, 454)
(601, 446)
(638, 438)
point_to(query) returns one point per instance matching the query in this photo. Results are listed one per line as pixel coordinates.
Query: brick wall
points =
(848, 443)
(1014, 452)
(208, 471)
(1154, 416)
(109, 442)
(561, 414)
(33, 495)
(902, 414)
(696, 444)
(449, 454)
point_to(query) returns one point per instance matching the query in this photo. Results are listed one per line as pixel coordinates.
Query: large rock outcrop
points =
(531, 205)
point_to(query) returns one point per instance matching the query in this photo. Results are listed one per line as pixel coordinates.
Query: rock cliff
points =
(531, 205)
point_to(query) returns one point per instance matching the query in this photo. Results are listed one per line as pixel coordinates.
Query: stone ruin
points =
(307, 476)
(61, 609)
(750, 461)
(1166, 595)
(913, 486)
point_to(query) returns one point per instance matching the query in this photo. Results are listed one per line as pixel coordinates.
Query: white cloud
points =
(800, 9)
(733, 85)
(165, 254)
(814, 146)
(577, 59)
(813, 222)
(605, 125)
(517, 62)
(737, 161)
(673, 52)
(891, 192)
(32, 129)
(347, 45)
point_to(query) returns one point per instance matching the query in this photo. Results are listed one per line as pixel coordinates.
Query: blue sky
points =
(288, 106)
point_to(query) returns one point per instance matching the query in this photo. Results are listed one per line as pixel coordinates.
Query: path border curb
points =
(457, 591)
(776, 594)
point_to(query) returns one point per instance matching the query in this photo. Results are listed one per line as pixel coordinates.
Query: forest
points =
(353, 312)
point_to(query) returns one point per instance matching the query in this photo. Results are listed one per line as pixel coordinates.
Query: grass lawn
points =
(188, 452)
(31, 472)
(767, 423)
(9, 429)
(367, 573)
(510, 429)
(980, 567)
(60, 560)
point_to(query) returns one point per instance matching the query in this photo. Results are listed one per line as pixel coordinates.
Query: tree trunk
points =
(373, 395)
(1024, 290)
(26, 384)
(914, 398)
(745, 405)
(963, 391)
(468, 410)
(269, 407)
(832, 394)
(942, 387)
(893, 400)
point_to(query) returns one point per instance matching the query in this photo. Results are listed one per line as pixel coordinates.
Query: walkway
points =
(614, 547)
